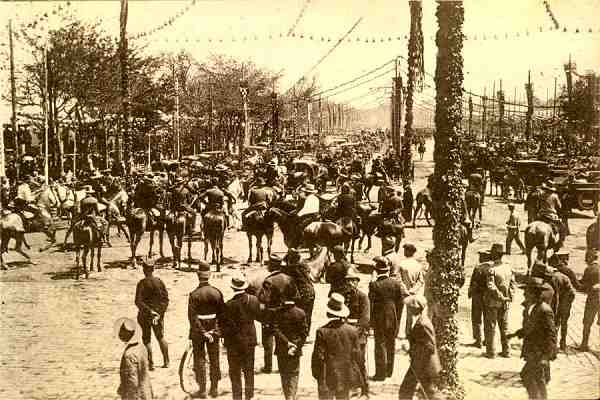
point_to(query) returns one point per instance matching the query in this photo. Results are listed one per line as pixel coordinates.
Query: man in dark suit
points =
(477, 287)
(539, 340)
(239, 336)
(336, 272)
(590, 283)
(272, 296)
(205, 309)
(425, 364)
(336, 355)
(385, 295)
(152, 300)
(301, 275)
(291, 331)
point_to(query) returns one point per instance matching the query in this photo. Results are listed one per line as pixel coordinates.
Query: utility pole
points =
(294, 122)
(500, 110)
(308, 120)
(393, 117)
(244, 93)
(554, 107)
(13, 102)
(211, 135)
(274, 120)
(493, 106)
(46, 110)
(320, 123)
(483, 117)
(529, 89)
(123, 134)
(176, 119)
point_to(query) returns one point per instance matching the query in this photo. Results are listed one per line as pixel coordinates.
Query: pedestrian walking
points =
(590, 283)
(239, 336)
(336, 354)
(290, 330)
(205, 308)
(152, 300)
(412, 274)
(424, 365)
(497, 298)
(385, 296)
(513, 225)
(301, 275)
(134, 376)
(477, 287)
(539, 340)
(272, 294)
(407, 201)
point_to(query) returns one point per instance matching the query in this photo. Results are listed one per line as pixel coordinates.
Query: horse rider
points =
(259, 198)
(89, 214)
(549, 207)
(392, 206)
(182, 197)
(146, 197)
(356, 167)
(308, 208)
(476, 184)
(378, 170)
(532, 203)
(215, 197)
(271, 175)
(346, 204)
(24, 198)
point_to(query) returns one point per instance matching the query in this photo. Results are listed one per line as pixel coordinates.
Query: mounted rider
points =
(215, 199)
(356, 167)
(182, 198)
(272, 176)
(550, 206)
(346, 204)
(89, 213)
(24, 198)
(146, 197)
(378, 170)
(392, 206)
(259, 199)
(308, 206)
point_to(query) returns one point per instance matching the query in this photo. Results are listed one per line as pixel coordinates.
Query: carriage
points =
(303, 170)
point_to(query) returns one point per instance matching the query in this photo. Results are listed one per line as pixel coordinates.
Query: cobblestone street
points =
(57, 343)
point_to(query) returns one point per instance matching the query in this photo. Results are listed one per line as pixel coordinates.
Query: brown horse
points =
(179, 224)
(259, 224)
(424, 201)
(539, 235)
(214, 223)
(473, 202)
(330, 234)
(86, 238)
(137, 224)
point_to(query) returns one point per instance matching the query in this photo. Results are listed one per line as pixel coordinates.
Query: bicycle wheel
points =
(187, 378)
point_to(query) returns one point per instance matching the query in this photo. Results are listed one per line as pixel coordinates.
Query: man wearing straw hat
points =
(385, 296)
(336, 354)
(135, 378)
(239, 336)
(205, 307)
(425, 364)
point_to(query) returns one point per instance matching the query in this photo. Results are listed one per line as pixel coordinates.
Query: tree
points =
(577, 109)
(416, 68)
(447, 274)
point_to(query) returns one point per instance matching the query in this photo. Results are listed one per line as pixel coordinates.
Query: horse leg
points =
(259, 248)
(161, 231)
(269, 243)
(99, 257)
(352, 250)
(77, 262)
(84, 260)
(151, 243)
(249, 247)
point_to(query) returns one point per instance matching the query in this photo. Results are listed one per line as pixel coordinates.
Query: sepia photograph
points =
(300, 199)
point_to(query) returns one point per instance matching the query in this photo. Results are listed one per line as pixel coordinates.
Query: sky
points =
(220, 26)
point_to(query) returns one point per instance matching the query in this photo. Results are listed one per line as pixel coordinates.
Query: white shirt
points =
(311, 205)
(24, 192)
(412, 274)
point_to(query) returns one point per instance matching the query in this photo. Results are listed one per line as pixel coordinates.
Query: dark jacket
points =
(386, 295)
(237, 321)
(274, 288)
(301, 276)
(151, 295)
(564, 269)
(565, 293)
(346, 205)
(360, 310)
(336, 356)
(478, 282)
(423, 350)
(290, 326)
(206, 302)
(539, 334)
(336, 273)
(391, 204)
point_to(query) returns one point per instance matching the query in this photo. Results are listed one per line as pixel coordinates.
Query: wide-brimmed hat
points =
(239, 283)
(338, 249)
(309, 188)
(352, 274)
(535, 282)
(497, 248)
(203, 271)
(292, 256)
(127, 324)
(275, 259)
(336, 306)
(415, 301)
(382, 264)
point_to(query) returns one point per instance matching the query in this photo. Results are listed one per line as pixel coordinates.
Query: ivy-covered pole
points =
(447, 274)
(416, 69)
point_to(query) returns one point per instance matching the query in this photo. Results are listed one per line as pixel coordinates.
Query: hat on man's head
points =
(338, 249)
(292, 256)
(352, 274)
(409, 247)
(309, 188)
(548, 185)
(203, 271)
(382, 264)
(511, 205)
(260, 181)
(125, 329)
(239, 283)
(497, 249)
(336, 306)
(416, 301)
(591, 255)
(535, 282)
(148, 265)
(275, 259)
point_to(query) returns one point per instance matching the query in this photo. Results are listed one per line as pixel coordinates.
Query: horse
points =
(11, 227)
(259, 224)
(425, 200)
(214, 230)
(86, 238)
(497, 180)
(540, 235)
(136, 220)
(514, 181)
(473, 202)
(114, 217)
(330, 234)
(68, 200)
(465, 236)
(178, 224)
(237, 190)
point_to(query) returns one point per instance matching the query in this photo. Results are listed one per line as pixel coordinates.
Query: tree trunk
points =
(415, 72)
(447, 275)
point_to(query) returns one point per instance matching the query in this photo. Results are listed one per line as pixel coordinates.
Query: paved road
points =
(56, 333)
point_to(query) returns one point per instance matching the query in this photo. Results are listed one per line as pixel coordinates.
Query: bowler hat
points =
(511, 205)
(352, 274)
(535, 283)
(338, 249)
(275, 259)
(382, 264)
(239, 283)
(497, 249)
(336, 306)
(410, 248)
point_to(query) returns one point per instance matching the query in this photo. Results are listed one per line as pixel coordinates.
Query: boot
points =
(150, 359)
(476, 336)
(585, 339)
(164, 349)
(563, 344)
(214, 390)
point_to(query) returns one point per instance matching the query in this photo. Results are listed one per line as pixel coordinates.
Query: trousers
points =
(289, 371)
(477, 316)
(241, 360)
(200, 349)
(409, 386)
(513, 234)
(385, 349)
(562, 320)
(267, 342)
(535, 376)
(493, 316)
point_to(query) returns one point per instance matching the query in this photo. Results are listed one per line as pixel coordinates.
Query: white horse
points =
(68, 200)
(236, 189)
